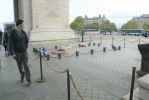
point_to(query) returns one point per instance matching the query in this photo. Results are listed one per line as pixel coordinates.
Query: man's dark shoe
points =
(22, 78)
(29, 81)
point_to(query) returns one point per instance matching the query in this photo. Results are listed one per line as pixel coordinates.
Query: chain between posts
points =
(144, 41)
(69, 55)
(74, 85)
(132, 41)
(69, 76)
(118, 40)
(36, 57)
(53, 68)
(84, 52)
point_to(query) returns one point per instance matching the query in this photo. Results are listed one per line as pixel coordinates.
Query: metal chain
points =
(36, 57)
(74, 85)
(84, 52)
(118, 40)
(68, 55)
(53, 68)
(132, 41)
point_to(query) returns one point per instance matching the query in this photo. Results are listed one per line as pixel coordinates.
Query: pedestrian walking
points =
(18, 48)
(5, 41)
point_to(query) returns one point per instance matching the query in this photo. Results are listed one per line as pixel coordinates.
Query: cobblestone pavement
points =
(101, 76)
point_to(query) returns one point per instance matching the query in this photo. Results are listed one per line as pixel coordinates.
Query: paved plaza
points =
(98, 76)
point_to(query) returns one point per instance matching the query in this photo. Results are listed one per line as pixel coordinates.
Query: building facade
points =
(98, 19)
(144, 18)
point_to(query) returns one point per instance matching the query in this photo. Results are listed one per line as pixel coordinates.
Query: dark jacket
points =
(1, 35)
(5, 38)
(18, 44)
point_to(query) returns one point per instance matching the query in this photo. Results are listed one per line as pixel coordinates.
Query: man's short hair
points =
(19, 21)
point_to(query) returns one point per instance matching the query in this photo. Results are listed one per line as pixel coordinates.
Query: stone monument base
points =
(141, 73)
(51, 34)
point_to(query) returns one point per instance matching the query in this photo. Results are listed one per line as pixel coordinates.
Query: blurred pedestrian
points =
(5, 41)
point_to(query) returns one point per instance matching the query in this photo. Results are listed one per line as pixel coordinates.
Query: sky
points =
(117, 11)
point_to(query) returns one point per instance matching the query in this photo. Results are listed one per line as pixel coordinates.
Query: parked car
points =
(146, 34)
(123, 33)
(135, 34)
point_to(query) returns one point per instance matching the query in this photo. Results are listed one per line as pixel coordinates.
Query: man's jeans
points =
(22, 62)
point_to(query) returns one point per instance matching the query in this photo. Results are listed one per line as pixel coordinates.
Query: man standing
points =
(18, 48)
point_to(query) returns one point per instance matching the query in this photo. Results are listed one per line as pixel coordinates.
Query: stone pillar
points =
(22, 10)
(50, 20)
(27, 15)
(16, 9)
(44, 19)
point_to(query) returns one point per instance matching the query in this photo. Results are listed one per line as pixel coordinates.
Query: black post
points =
(0, 63)
(48, 57)
(82, 33)
(59, 56)
(68, 84)
(98, 44)
(79, 45)
(104, 49)
(90, 39)
(89, 44)
(34, 49)
(112, 40)
(124, 42)
(132, 83)
(101, 40)
(94, 44)
(119, 47)
(77, 53)
(139, 41)
(55, 47)
(41, 66)
(114, 48)
(92, 51)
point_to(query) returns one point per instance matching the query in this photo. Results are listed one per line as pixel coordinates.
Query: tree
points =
(107, 25)
(130, 25)
(77, 24)
(146, 26)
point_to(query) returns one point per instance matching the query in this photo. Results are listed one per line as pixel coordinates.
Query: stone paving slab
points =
(102, 76)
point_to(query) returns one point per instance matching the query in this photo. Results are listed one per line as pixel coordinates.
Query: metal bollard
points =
(55, 47)
(68, 84)
(114, 48)
(132, 83)
(59, 56)
(98, 44)
(34, 49)
(104, 49)
(92, 51)
(77, 53)
(41, 66)
(119, 48)
(112, 40)
(48, 57)
(124, 42)
(94, 44)
(89, 44)
(0, 63)
(79, 45)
